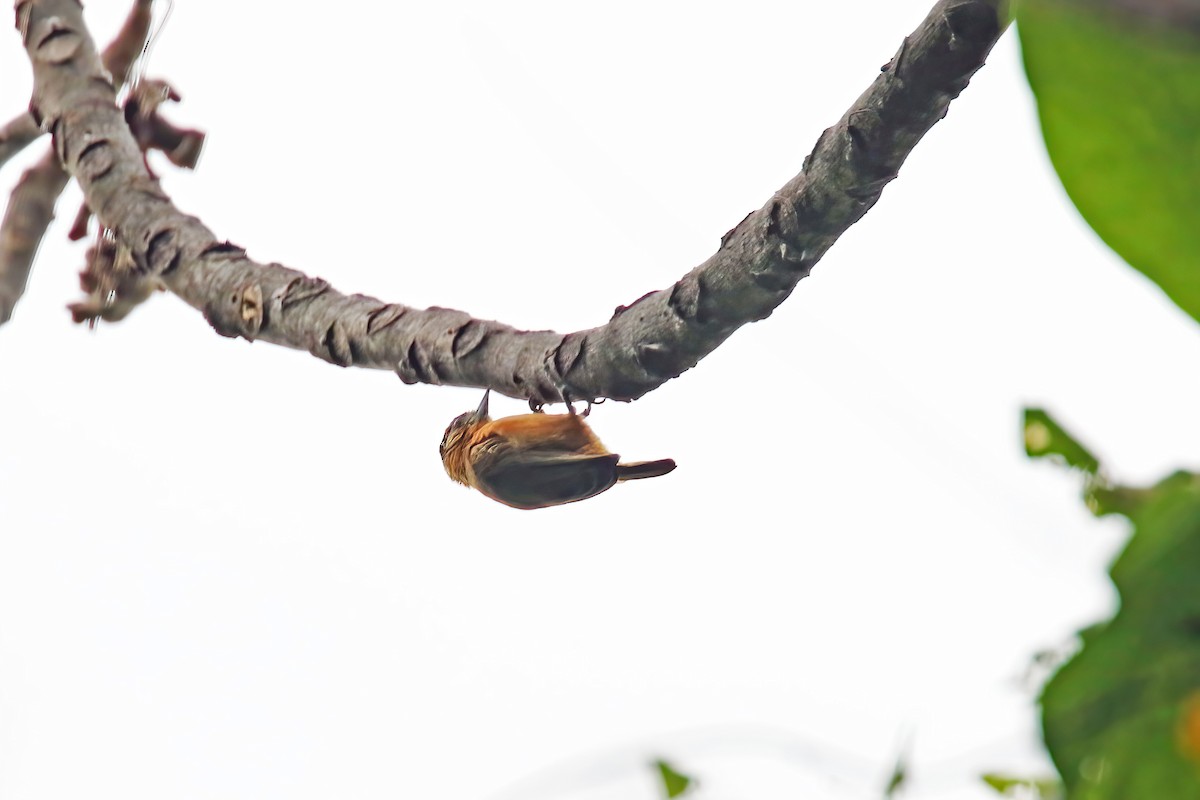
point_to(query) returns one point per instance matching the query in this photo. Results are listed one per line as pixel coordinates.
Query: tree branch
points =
(31, 206)
(21, 130)
(17, 134)
(645, 344)
(29, 213)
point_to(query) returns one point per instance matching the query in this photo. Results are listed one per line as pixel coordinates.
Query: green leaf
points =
(1039, 788)
(1118, 95)
(1122, 718)
(674, 783)
(1045, 438)
(898, 779)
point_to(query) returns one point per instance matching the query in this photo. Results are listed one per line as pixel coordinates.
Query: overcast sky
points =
(234, 571)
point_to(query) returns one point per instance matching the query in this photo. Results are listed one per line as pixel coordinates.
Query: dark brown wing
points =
(533, 479)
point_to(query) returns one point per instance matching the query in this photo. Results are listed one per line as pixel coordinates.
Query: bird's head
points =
(453, 447)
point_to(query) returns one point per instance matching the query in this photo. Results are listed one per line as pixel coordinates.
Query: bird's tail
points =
(644, 469)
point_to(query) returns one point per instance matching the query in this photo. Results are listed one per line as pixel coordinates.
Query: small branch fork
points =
(646, 343)
(31, 206)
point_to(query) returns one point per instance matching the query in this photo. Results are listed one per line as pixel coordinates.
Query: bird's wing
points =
(565, 433)
(533, 479)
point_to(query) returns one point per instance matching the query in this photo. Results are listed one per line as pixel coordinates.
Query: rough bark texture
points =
(646, 343)
(119, 56)
(31, 206)
(29, 213)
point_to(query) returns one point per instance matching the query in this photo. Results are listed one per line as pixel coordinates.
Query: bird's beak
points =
(482, 412)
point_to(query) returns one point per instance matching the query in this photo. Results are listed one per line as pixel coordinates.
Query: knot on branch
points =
(54, 41)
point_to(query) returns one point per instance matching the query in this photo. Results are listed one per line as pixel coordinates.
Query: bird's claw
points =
(571, 405)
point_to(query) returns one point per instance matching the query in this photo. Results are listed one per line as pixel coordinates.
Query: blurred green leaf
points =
(898, 779)
(1045, 438)
(1122, 718)
(674, 783)
(1118, 93)
(1039, 788)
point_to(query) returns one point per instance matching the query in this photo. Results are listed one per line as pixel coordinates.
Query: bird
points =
(535, 460)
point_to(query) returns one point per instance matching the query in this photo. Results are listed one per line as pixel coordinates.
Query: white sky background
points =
(234, 571)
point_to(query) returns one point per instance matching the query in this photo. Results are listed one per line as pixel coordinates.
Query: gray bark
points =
(31, 205)
(646, 343)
